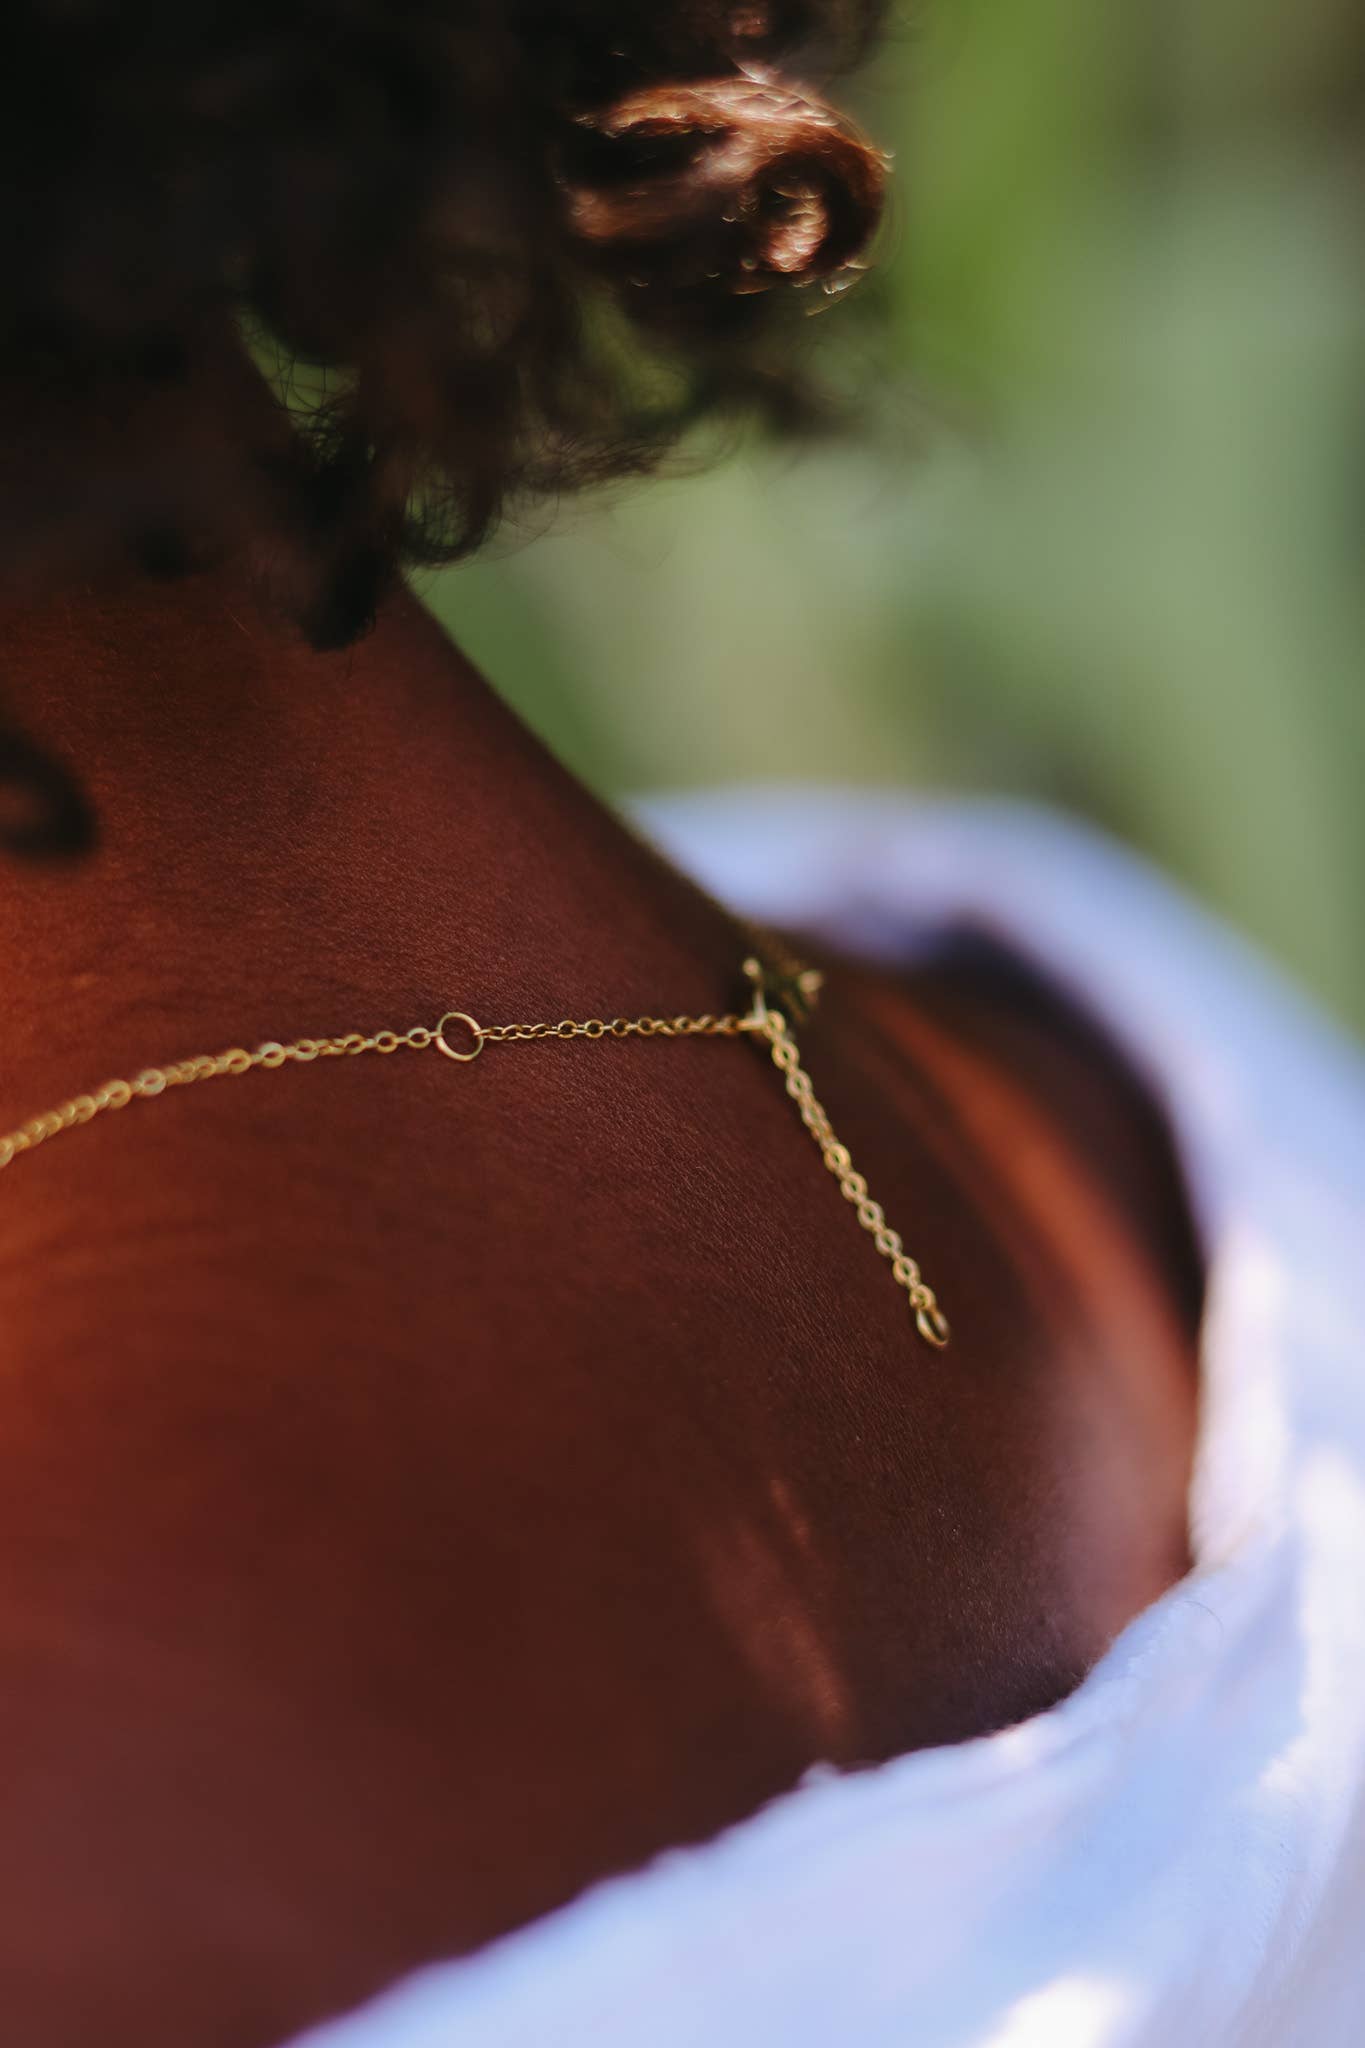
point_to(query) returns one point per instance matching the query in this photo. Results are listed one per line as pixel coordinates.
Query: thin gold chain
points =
(793, 987)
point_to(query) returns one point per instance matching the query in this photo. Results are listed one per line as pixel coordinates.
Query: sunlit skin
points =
(426, 1489)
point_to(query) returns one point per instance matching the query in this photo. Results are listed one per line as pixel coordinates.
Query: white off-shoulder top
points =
(1175, 1856)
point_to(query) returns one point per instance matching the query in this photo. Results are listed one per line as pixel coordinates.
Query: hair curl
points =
(455, 209)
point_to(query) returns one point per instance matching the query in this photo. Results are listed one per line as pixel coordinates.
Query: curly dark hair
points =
(518, 244)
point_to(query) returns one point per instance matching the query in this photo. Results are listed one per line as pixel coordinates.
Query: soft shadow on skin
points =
(1069, 1247)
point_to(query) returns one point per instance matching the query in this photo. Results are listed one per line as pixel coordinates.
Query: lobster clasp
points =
(783, 993)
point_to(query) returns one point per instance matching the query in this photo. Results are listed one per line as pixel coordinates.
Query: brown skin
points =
(424, 1490)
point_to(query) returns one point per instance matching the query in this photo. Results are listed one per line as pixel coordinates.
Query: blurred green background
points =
(1097, 535)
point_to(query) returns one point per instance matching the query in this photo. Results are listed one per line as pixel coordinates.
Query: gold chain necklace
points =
(776, 991)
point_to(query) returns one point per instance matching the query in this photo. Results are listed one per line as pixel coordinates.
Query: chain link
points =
(728, 1026)
(930, 1320)
(789, 985)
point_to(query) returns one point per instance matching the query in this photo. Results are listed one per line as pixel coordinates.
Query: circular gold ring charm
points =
(475, 1029)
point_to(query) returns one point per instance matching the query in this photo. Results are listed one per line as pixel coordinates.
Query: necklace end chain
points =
(792, 988)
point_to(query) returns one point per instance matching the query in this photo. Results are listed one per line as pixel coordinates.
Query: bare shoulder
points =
(401, 1534)
(978, 1010)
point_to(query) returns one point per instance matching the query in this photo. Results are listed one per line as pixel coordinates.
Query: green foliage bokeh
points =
(1095, 537)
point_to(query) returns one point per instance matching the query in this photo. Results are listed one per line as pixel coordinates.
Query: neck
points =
(293, 841)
